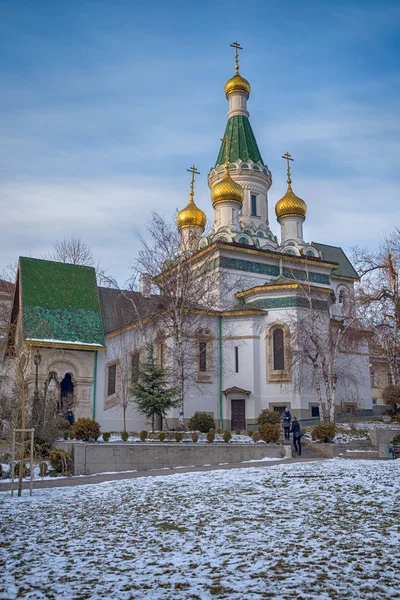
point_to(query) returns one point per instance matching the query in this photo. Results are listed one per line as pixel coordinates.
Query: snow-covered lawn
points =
(321, 530)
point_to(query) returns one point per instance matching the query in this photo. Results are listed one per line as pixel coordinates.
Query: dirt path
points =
(102, 477)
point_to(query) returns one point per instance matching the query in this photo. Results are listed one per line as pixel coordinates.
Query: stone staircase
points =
(307, 450)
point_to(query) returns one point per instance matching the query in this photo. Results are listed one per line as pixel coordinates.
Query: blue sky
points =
(104, 104)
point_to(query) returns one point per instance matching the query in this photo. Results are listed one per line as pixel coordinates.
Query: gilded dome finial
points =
(192, 170)
(237, 83)
(290, 205)
(288, 158)
(191, 216)
(227, 143)
(227, 190)
(237, 47)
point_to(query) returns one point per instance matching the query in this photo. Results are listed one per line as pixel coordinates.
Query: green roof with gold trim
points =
(335, 254)
(60, 304)
(243, 145)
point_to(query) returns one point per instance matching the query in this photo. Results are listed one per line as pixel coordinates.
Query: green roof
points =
(336, 254)
(60, 304)
(243, 145)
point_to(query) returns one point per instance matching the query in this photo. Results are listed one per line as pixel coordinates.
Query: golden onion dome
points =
(227, 190)
(191, 216)
(290, 205)
(237, 83)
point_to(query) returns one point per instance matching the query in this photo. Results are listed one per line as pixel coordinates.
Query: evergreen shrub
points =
(256, 436)
(106, 436)
(143, 435)
(161, 436)
(61, 461)
(250, 433)
(210, 437)
(178, 436)
(201, 421)
(124, 436)
(269, 416)
(324, 432)
(66, 435)
(238, 432)
(86, 429)
(227, 436)
(269, 432)
(195, 437)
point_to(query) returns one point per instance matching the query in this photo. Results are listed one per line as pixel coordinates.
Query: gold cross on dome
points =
(237, 47)
(227, 143)
(192, 170)
(288, 158)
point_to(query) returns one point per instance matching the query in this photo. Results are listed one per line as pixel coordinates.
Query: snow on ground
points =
(370, 425)
(236, 438)
(325, 530)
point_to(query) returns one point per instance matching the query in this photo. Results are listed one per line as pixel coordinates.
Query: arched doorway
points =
(66, 394)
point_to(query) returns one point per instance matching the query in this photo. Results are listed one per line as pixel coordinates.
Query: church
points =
(244, 345)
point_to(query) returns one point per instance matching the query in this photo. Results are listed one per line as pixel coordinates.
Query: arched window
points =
(342, 296)
(278, 353)
(278, 350)
(202, 357)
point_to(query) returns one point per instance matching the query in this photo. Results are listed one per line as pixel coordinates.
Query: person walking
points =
(287, 419)
(297, 435)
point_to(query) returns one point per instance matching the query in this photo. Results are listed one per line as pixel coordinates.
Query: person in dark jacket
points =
(287, 419)
(297, 435)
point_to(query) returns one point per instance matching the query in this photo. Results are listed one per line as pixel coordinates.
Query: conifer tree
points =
(151, 393)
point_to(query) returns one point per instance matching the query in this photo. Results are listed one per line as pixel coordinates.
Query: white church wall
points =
(109, 411)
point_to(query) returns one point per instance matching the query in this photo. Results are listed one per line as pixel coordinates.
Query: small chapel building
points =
(90, 339)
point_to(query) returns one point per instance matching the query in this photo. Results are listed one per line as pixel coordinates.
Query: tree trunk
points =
(181, 376)
(22, 441)
(319, 396)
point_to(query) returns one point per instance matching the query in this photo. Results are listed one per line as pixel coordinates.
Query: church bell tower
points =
(240, 156)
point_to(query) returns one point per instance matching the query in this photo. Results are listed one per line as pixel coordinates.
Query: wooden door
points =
(238, 414)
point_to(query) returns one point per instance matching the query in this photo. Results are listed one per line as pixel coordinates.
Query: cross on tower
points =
(237, 47)
(192, 170)
(288, 158)
(227, 143)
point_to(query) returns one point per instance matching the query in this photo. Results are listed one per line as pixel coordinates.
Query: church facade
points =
(247, 351)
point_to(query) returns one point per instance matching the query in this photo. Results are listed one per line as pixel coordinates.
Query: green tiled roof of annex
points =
(60, 302)
(243, 145)
(336, 254)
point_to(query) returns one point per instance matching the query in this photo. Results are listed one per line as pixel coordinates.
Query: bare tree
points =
(378, 298)
(120, 348)
(72, 250)
(192, 289)
(322, 347)
(9, 273)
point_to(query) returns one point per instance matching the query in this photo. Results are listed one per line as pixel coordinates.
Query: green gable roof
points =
(243, 145)
(336, 254)
(60, 303)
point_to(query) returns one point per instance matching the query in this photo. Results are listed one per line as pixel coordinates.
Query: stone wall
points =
(106, 457)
